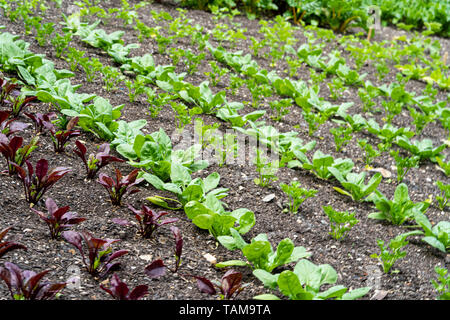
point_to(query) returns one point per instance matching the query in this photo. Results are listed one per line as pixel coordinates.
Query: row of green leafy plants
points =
(340, 15)
(177, 178)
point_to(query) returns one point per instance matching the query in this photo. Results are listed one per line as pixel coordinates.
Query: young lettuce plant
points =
(389, 254)
(148, 220)
(36, 183)
(424, 149)
(259, 253)
(95, 162)
(399, 209)
(354, 184)
(99, 253)
(6, 246)
(321, 163)
(119, 187)
(437, 236)
(27, 284)
(119, 290)
(157, 268)
(304, 282)
(230, 285)
(58, 219)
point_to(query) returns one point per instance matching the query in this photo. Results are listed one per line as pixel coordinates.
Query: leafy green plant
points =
(304, 283)
(444, 166)
(296, 194)
(280, 108)
(437, 236)
(442, 283)
(321, 163)
(371, 152)
(266, 170)
(260, 254)
(444, 197)
(424, 149)
(392, 252)
(216, 73)
(354, 183)
(341, 222)
(404, 164)
(398, 210)
(342, 136)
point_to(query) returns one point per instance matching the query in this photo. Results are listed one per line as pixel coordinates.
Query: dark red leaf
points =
(156, 269)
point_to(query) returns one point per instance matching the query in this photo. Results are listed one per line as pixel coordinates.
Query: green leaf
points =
(269, 280)
(231, 263)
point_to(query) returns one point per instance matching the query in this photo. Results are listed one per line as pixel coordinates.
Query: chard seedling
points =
(442, 283)
(443, 166)
(280, 108)
(7, 246)
(58, 219)
(341, 222)
(391, 253)
(99, 257)
(119, 187)
(27, 284)
(296, 194)
(342, 136)
(230, 285)
(119, 290)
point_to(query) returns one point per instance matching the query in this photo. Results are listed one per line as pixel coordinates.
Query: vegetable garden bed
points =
(321, 99)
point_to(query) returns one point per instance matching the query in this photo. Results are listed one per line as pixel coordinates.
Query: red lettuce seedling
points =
(5, 90)
(36, 184)
(42, 121)
(28, 285)
(11, 126)
(95, 162)
(119, 290)
(148, 220)
(120, 186)
(58, 219)
(6, 246)
(60, 138)
(157, 268)
(21, 103)
(100, 256)
(13, 151)
(230, 285)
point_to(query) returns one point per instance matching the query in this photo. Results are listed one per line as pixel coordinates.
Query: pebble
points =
(269, 197)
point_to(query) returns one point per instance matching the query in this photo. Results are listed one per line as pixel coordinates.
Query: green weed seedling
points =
(437, 236)
(341, 222)
(443, 165)
(280, 108)
(342, 136)
(266, 170)
(443, 198)
(296, 195)
(391, 253)
(371, 152)
(404, 164)
(442, 283)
